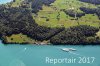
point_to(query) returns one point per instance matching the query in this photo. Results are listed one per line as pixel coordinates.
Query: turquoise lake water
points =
(35, 55)
(5, 1)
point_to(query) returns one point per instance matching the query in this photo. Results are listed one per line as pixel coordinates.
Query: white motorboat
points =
(72, 49)
(65, 49)
(68, 49)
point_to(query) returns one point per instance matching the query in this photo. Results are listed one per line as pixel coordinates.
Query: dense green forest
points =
(57, 25)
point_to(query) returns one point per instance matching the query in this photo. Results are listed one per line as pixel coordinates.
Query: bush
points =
(91, 11)
(92, 1)
(72, 13)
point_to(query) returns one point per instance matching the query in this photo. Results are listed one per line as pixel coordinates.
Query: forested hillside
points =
(19, 20)
(50, 21)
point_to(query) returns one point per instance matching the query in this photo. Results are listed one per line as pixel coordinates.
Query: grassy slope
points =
(52, 12)
(19, 38)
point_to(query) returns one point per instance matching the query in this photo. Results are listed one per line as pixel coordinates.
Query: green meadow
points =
(54, 16)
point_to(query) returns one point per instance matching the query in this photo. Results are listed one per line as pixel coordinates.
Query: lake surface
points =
(35, 55)
(5, 1)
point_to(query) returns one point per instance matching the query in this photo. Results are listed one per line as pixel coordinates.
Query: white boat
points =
(72, 49)
(68, 49)
(65, 49)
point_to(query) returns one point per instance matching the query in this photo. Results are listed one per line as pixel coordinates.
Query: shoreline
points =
(43, 43)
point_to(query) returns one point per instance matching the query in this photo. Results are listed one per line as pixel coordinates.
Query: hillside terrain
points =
(57, 13)
(50, 21)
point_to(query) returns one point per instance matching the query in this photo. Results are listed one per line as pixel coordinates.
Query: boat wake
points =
(75, 53)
